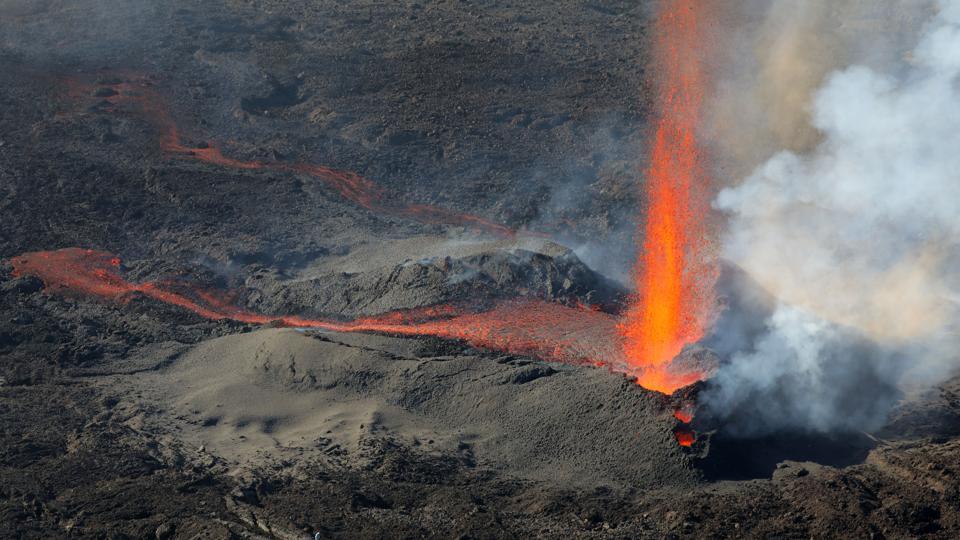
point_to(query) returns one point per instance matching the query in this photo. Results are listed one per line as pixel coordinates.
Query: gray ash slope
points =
(529, 114)
(274, 394)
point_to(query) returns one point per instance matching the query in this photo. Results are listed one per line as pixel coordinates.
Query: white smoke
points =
(855, 238)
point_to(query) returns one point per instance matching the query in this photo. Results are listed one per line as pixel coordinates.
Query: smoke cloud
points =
(852, 216)
(780, 53)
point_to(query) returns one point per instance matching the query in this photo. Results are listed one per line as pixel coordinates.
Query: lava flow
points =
(138, 90)
(673, 281)
(683, 433)
(545, 330)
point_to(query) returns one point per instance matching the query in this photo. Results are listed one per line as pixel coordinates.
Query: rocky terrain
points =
(340, 159)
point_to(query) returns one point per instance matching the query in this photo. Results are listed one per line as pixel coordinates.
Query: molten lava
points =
(138, 90)
(684, 434)
(684, 415)
(545, 330)
(673, 280)
(685, 437)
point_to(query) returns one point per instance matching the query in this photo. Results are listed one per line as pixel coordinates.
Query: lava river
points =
(139, 95)
(545, 330)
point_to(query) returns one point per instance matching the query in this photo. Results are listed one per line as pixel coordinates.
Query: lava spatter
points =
(684, 415)
(674, 283)
(684, 432)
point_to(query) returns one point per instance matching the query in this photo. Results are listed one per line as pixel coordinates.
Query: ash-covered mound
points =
(433, 270)
(281, 393)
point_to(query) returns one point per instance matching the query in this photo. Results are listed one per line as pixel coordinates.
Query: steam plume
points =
(852, 223)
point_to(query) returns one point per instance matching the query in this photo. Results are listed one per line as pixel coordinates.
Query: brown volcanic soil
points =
(142, 420)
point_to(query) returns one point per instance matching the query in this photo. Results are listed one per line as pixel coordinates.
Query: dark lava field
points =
(346, 158)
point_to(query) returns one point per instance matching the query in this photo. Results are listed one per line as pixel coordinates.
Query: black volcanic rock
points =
(22, 285)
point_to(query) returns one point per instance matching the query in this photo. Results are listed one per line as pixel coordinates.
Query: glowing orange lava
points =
(549, 331)
(137, 90)
(684, 434)
(674, 283)
(684, 437)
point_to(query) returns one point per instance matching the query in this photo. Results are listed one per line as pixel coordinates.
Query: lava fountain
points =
(673, 277)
